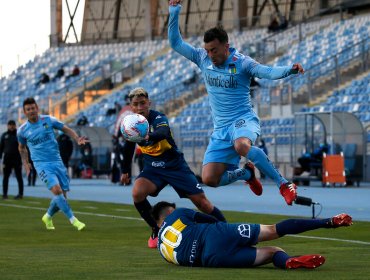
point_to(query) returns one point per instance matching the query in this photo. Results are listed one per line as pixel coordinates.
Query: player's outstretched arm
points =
(174, 36)
(272, 73)
(81, 140)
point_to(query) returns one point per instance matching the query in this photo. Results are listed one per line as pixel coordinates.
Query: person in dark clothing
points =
(83, 121)
(75, 72)
(307, 160)
(33, 174)
(44, 79)
(12, 159)
(65, 148)
(60, 73)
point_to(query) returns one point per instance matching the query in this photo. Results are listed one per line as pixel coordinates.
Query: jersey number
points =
(171, 238)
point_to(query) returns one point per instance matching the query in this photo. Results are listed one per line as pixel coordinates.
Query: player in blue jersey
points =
(164, 165)
(37, 133)
(190, 238)
(227, 75)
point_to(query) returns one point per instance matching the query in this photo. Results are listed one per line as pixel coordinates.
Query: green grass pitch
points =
(113, 246)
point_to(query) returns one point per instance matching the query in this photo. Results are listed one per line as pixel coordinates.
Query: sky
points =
(25, 30)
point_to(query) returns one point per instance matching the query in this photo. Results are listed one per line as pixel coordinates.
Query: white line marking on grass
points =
(122, 210)
(139, 219)
(90, 207)
(78, 212)
(332, 239)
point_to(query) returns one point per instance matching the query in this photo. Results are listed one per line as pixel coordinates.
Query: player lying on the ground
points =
(191, 238)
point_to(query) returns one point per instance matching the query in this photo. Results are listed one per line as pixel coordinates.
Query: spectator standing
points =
(65, 148)
(12, 159)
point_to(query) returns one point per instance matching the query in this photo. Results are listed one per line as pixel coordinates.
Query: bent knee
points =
(211, 181)
(242, 147)
(139, 194)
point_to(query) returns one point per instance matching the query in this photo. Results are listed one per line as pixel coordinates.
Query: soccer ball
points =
(134, 128)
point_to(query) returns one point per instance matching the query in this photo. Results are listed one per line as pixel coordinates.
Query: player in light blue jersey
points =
(38, 135)
(191, 238)
(227, 75)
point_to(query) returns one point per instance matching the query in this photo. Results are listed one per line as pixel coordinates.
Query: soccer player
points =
(163, 164)
(227, 75)
(190, 238)
(37, 133)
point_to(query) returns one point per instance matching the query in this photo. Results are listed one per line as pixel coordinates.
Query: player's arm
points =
(24, 155)
(271, 73)
(81, 140)
(128, 153)
(174, 35)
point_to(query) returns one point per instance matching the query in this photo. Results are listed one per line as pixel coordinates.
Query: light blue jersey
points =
(228, 84)
(40, 139)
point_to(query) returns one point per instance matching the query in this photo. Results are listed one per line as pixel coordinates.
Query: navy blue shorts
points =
(230, 245)
(175, 173)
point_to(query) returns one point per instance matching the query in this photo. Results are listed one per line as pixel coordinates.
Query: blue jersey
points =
(227, 84)
(183, 241)
(40, 138)
(164, 149)
(180, 238)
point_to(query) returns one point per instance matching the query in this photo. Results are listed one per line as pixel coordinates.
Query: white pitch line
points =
(139, 219)
(332, 239)
(77, 212)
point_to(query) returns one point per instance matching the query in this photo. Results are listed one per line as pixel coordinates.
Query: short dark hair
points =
(158, 209)
(217, 32)
(136, 92)
(11, 122)
(29, 101)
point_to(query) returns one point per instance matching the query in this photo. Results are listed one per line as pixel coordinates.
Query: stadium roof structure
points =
(107, 21)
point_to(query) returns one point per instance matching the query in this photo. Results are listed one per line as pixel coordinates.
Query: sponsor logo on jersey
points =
(198, 186)
(45, 125)
(221, 81)
(239, 123)
(158, 164)
(193, 251)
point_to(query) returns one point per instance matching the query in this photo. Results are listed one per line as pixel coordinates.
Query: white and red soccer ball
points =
(134, 127)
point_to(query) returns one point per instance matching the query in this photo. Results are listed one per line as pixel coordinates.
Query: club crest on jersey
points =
(232, 68)
(45, 125)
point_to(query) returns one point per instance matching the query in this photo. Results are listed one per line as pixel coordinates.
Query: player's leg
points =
(6, 173)
(296, 226)
(184, 182)
(18, 175)
(282, 260)
(143, 187)
(55, 176)
(221, 164)
(244, 136)
(203, 204)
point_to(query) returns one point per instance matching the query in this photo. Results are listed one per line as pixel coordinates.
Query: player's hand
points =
(174, 2)
(297, 67)
(82, 140)
(125, 179)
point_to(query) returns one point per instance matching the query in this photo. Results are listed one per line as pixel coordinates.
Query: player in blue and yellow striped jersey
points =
(164, 165)
(227, 75)
(190, 238)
